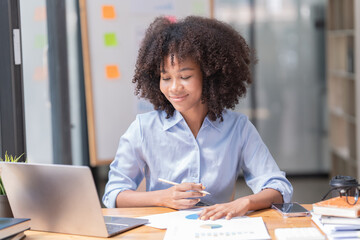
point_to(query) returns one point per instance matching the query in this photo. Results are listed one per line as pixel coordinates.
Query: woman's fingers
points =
(188, 190)
(190, 187)
(184, 195)
(205, 214)
(224, 210)
(186, 203)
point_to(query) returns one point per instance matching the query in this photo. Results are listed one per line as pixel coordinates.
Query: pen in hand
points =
(174, 183)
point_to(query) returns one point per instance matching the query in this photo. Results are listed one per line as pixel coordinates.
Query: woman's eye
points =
(165, 79)
(187, 77)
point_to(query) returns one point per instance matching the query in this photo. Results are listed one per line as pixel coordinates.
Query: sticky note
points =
(112, 72)
(108, 12)
(198, 8)
(40, 41)
(40, 73)
(40, 14)
(110, 39)
(172, 19)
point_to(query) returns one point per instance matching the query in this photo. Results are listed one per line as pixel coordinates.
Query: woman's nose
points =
(176, 85)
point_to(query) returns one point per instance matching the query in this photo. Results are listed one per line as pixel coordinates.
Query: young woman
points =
(192, 71)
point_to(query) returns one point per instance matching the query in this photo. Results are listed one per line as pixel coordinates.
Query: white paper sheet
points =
(163, 220)
(237, 228)
(331, 228)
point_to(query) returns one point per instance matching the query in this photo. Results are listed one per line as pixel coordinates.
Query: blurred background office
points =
(66, 69)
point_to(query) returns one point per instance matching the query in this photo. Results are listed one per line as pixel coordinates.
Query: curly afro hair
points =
(221, 52)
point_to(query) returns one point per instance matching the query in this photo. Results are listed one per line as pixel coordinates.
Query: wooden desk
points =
(271, 218)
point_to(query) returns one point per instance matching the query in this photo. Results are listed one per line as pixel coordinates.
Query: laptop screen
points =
(57, 198)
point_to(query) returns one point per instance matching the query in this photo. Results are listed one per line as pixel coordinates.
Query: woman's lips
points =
(178, 98)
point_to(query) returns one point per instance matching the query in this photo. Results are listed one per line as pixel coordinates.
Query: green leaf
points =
(2, 189)
(8, 158)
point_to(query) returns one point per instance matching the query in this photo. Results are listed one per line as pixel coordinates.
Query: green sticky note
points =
(40, 41)
(110, 39)
(198, 8)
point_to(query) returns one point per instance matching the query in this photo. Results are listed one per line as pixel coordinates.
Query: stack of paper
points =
(337, 218)
(337, 229)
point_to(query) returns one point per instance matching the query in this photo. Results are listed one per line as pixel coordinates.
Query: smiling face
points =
(181, 83)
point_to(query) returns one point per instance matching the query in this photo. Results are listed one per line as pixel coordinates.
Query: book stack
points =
(337, 218)
(13, 228)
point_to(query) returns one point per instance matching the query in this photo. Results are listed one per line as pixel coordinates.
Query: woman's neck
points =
(195, 119)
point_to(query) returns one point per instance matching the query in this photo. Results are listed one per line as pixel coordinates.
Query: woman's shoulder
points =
(235, 117)
(149, 115)
(238, 122)
(232, 121)
(150, 118)
(152, 115)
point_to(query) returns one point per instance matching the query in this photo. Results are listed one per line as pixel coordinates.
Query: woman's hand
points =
(182, 196)
(241, 206)
(228, 210)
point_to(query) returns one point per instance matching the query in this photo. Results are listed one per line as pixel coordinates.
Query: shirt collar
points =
(215, 124)
(172, 121)
(177, 117)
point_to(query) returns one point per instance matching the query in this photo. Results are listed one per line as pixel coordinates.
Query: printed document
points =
(234, 229)
(163, 220)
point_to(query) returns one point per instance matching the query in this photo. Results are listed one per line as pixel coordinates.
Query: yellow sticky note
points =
(108, 12)
(112, 72)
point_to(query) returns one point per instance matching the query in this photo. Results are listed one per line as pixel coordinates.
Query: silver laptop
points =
(60, 198)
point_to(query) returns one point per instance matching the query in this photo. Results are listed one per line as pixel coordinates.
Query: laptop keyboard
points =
(121, 224)
(114, 228)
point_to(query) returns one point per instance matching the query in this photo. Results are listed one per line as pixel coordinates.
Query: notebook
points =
(60, 198)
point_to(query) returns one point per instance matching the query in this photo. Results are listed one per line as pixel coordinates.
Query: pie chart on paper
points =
(192, 216)
(211, 226)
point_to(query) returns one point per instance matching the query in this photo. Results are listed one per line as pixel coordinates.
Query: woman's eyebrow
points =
(185, 69)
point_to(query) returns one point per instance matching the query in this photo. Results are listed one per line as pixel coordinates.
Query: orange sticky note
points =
(40, 14)
(108, 12)
(112, 72)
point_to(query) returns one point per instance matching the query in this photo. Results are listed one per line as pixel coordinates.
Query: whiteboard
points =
(111, 34)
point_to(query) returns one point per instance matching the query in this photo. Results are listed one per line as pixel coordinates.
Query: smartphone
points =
(291, 209)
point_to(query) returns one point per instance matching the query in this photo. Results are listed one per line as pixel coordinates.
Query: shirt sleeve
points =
(126, 171)
(259, 167)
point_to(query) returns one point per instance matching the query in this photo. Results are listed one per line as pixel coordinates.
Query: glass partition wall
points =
(288, 103)
(38, 102)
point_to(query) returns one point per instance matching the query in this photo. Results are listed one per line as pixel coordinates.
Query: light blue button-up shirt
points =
(155, 147)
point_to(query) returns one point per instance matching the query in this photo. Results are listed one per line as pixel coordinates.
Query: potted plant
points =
(5, 210)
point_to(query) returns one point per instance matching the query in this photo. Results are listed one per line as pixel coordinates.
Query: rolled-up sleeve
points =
(279, 182)
(259, 167)
(126, 171)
